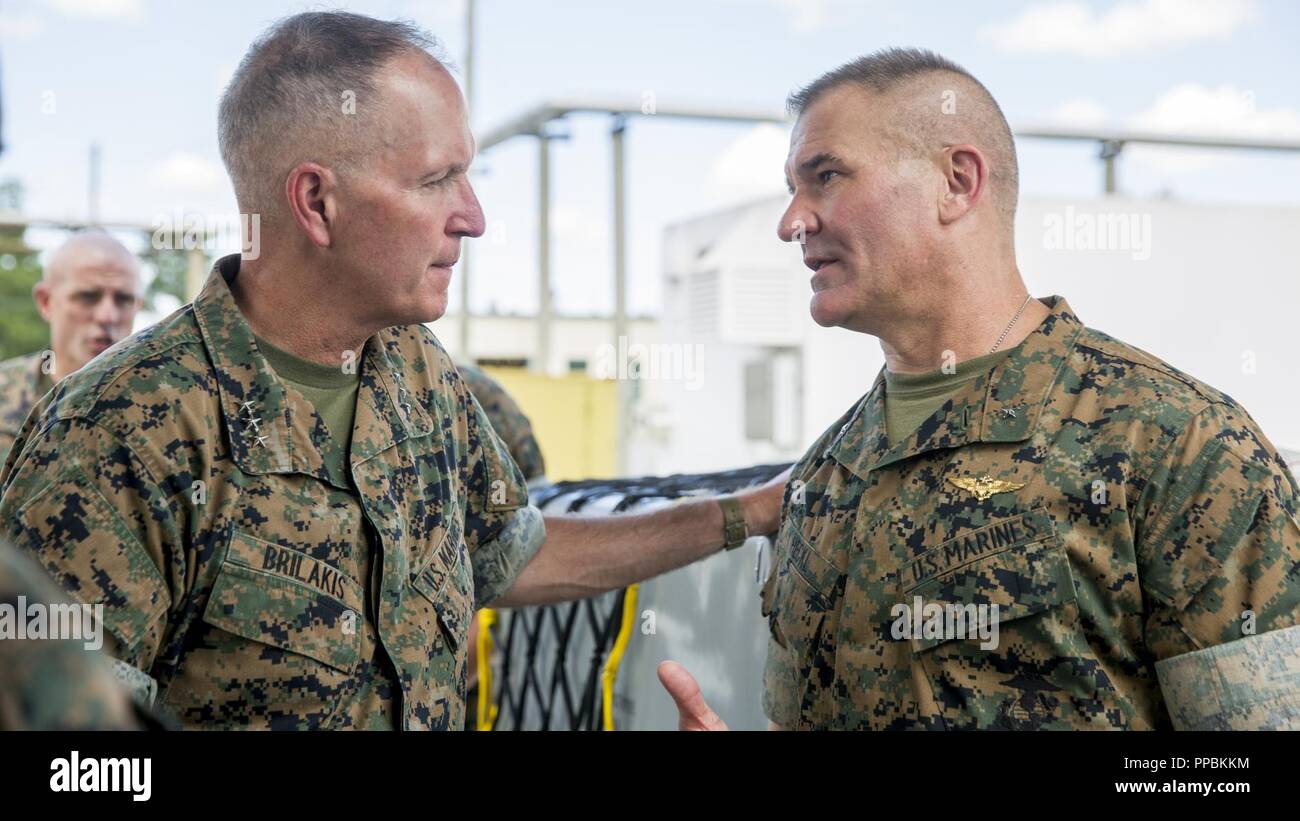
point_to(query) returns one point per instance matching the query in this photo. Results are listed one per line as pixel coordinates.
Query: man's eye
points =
(824, 176)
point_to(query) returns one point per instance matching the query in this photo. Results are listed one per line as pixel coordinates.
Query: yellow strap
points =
(487, 711)
(610, 673)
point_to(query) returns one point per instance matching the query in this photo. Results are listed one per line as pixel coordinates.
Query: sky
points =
(142, 79)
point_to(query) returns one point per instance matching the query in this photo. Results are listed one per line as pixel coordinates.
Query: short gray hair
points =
(884, 70)
(292, 83)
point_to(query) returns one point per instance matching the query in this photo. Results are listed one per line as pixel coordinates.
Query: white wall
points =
(1213, 290)
(1221, 285)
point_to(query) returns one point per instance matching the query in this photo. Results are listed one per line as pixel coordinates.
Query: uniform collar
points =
(1003, 405)
(270, 433)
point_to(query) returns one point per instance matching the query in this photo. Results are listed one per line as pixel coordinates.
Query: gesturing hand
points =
(693, 713)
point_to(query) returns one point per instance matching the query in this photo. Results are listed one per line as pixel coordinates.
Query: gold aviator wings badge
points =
(984, 486)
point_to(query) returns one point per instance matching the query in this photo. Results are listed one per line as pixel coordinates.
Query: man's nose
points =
(107, 311)
(797, 223)
(467, 220)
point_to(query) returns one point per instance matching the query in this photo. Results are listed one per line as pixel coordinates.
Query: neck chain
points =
(1007, 329)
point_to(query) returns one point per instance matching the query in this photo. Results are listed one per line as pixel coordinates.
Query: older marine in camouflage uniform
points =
(1121, 514)
(284, 495)
(178, 483)
(23, 380)
(508, 420)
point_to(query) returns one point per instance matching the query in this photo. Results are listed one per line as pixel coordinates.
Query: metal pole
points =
(620, 290)
(1109, 153)
(542, 362)
(467, 246)
(92, 189)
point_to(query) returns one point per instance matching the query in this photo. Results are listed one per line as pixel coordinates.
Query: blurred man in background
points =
(89, 295)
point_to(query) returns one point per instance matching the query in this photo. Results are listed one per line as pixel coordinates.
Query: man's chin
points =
(431, 310)
(824, 313)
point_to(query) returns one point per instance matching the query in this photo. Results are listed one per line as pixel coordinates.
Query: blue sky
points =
(142, 77)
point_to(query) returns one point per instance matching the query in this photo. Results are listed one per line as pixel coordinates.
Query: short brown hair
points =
(292, 83)
(884, 70)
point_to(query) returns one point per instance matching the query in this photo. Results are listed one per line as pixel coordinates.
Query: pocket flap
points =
(279, 596)
(1019, 580)
(447, 581)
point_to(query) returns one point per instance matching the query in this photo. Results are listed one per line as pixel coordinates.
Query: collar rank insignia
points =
(984, 486)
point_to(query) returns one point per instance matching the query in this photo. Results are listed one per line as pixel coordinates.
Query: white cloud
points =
(19, 26)
(805, 15)
(183, 171)
(810, 16)
(1221, 111)
(750, 167)
(1073, 27)
(1079, 114)
(1188, 109)
(100, 9)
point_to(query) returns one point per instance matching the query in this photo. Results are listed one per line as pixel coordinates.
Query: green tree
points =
(23, 331)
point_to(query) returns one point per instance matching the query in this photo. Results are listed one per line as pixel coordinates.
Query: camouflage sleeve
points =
(84, 505)
(499, 563)
(501, 531)
(1217, 537)
(1248, 684)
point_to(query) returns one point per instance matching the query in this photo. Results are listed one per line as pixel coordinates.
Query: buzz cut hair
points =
(288, 101)
(885, 70)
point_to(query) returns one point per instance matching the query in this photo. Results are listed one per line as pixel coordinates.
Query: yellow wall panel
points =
(575, 419)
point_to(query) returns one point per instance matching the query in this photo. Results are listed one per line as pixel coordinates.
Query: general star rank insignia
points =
(984, 486)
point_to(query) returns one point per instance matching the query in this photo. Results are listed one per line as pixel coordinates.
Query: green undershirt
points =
(330, 391)
(910, 398)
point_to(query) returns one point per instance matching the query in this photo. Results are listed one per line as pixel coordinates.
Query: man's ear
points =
(311, 190)
(41, 296)
(965, 180)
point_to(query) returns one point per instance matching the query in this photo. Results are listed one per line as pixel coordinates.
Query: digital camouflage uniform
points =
(48, 684)
(507, 419)
(177, 482)
(1153, 514)
(20, 387)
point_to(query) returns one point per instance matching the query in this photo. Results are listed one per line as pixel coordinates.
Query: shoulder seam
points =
(77, 411)
(1167, 371)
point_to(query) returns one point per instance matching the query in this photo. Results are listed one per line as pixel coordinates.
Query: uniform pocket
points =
(447, 582)
(278, 596)
(1025, 665)
(1016, 565)
(1013, 584)
(801, 589)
